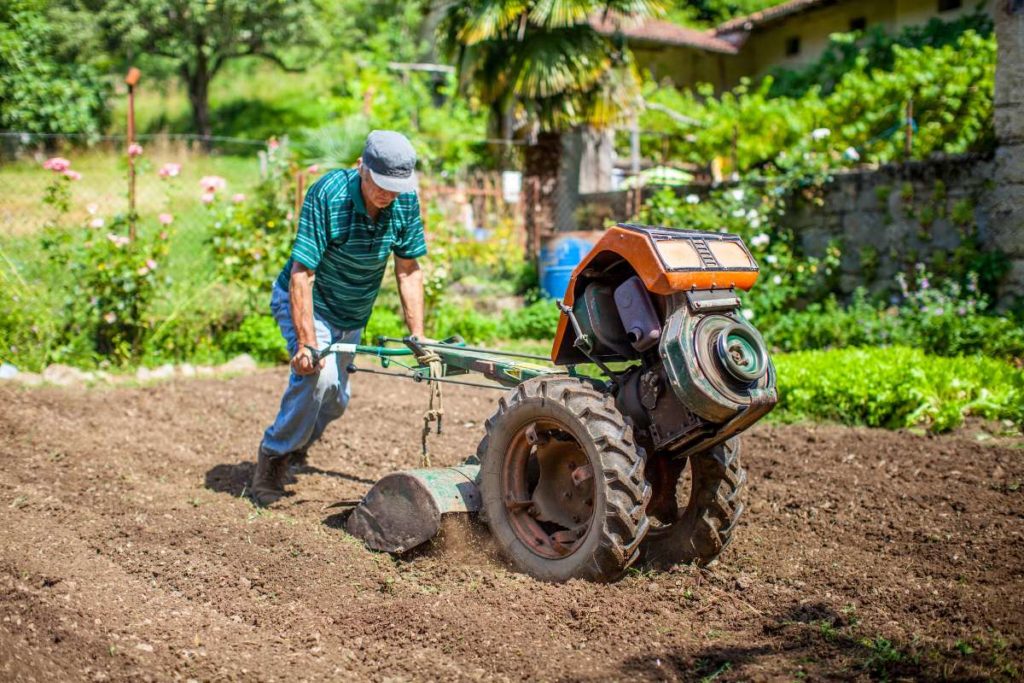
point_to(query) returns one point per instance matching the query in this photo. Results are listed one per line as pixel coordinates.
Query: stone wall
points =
(888, 219)
(1005, 204)
(939, 212)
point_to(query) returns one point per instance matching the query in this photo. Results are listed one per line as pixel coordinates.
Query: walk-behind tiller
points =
(579, 476)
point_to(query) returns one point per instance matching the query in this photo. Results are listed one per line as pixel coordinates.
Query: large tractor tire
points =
(562, 482)
(698, 522)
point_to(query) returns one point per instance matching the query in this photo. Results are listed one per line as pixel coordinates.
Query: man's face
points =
(374, 195)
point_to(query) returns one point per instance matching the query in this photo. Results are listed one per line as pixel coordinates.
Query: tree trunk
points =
(198, 82)
(596, 159)
(542, 162)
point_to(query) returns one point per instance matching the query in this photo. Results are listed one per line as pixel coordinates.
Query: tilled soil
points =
(127, 551)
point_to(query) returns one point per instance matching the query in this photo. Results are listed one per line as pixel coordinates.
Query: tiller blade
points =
(404, 509)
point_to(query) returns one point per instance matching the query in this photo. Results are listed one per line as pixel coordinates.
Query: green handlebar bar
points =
(379, 351)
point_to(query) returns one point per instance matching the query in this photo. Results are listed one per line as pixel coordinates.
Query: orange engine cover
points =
(667, 261)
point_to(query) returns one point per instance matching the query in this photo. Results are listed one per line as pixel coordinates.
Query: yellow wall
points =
(766, 47)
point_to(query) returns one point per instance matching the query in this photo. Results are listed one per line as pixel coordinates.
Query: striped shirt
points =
(348, 252)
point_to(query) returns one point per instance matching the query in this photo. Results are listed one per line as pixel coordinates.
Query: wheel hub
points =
(549, 489)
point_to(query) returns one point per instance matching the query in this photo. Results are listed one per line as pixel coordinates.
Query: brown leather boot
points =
(268, 480)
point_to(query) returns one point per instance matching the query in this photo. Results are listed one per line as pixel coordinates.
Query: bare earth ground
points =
(126, 552)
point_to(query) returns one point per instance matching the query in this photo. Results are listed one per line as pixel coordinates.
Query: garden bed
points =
(129, 551)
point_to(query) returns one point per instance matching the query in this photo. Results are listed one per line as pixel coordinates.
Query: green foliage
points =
(897, 387)
(383, 323)
(544, 58)
(259, 119)
(196, 39)
(251, 239)
(945, 332)
(44, 86)
(259, 336)
(536, 321)
(193, 330)
(28, 327)
(861, 119)
(702, 13)
(876, 46)
(112, 282)
(474, 327)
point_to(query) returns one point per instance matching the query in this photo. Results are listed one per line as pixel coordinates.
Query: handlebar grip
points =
(314, 353)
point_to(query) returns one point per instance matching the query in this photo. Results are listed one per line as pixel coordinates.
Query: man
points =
(351, 221)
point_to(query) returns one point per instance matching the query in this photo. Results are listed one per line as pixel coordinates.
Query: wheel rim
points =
(548, 488)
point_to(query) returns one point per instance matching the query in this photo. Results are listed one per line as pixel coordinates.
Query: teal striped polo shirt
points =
(347, 251)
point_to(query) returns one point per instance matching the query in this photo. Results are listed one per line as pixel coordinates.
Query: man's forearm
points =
(300, 296)
(410, 290)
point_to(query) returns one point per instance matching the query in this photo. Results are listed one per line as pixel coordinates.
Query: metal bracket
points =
(583, 343)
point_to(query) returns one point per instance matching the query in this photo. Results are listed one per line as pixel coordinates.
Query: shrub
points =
(951, 85)
(44, 88)
(536, 321)
(260, 337)
(463, 320)
(28, 327)
(383, 323)
(110, 279)
(897, 387)
(252, 239)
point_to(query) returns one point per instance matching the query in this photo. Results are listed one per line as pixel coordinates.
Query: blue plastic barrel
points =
(559, 256)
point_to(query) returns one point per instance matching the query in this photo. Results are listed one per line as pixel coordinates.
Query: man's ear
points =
(359, 164)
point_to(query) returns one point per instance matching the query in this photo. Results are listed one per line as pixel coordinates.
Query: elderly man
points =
(351, 221)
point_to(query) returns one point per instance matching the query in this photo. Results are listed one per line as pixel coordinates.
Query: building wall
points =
(766, 48)
(682, 66)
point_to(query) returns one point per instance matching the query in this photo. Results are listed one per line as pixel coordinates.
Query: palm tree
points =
(542, 69)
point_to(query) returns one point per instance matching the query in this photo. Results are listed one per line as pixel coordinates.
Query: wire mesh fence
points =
(477, 202)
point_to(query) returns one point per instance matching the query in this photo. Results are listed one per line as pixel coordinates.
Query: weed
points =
(963, 647)
(725, 666)
(828, 630)
(882, 655)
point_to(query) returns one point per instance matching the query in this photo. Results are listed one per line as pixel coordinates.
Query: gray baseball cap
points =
(391, 160)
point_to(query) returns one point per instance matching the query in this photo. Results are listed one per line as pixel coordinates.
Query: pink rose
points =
(273, 144)
(57, 164)
(238, 198)
(164, 235)
(207, 197)
(165, 219)
(111, 317)
(314, 169)
(135, 150)
(169, 170)
(96, 222)
(212, 183)
(72, 175)
(151, 264)
(143, 270)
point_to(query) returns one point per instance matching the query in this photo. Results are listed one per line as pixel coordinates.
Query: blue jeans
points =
(310, 402)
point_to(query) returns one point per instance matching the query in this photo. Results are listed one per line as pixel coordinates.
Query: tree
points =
(44, 88)
(200, 36)
(540, 64)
